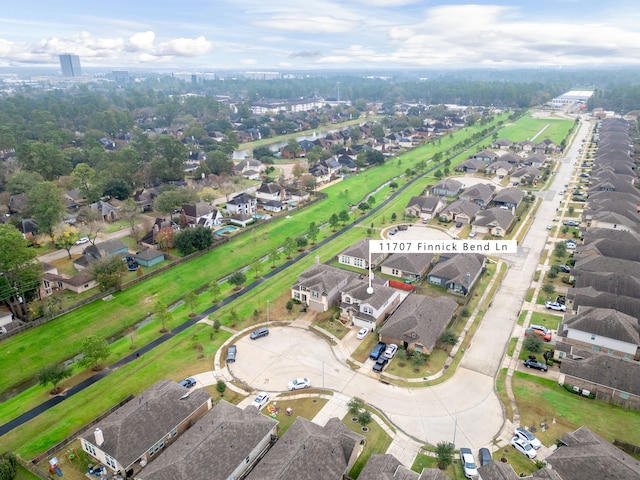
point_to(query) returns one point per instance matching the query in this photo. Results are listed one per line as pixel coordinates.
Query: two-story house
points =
(242, 204)
(319, 287)
(365, 309)
(136, 433)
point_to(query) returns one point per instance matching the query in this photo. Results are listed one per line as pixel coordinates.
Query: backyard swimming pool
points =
(224, 230)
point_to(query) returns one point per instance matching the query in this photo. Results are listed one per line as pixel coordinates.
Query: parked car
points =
(82, 241)
(231, 353)
(549, 226)
(468, 463)
(556, 306)
(362, 333)
(571, 245)
(391, 351)
(393, 231)
(377, 351)
(472, 234)
(403, 227)
(540, 327)
(546, 336)
(261, 400)
(529, 363)
(527, 436)
(571, 223)
(458, 224)
(261, 332)
(484, 456)
(299, 383)
(564, 269)
(188, 382)
(523, 447)
(380, 364)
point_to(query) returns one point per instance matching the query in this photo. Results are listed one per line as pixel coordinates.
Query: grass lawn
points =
(542, 400)
(548, 320)
(454, 471)
(522, 465)
(377, 441)
(512, 346)
(502, 393)
(526, 127)
(302, 407)
(24, 474)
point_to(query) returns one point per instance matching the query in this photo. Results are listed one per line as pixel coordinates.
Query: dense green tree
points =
(85, 179)
(53, 374)
(289, 246)
(374, 157)
(444, 453)
(312, 232)
(333, 222)
(23, 181)
(343, 216)
(45, 206)
(533, 344)
(19, 272)
(219, 163)
(44, 158)
(237, 279)
(94, 349)
(117, 188)
(190, 240)
(108, 272)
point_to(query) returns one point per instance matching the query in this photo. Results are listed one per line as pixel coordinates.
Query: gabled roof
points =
(494, 217)
(509, 195)
(139, 424)
(270, 188)
(358, 289)
(309, 451)
(242, 198)
(605, 322)
(409, 262)
(448, 184)
(587, 455)
(226, 433)
(462, 206)
(420, 319)
(426, 204)
(458, 267)
(590, 297)
(360, 249)
(198, 209)
(388, 467)
(323, 278)
(479, 191)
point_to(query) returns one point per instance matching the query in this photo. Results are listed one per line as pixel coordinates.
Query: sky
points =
(278, 35)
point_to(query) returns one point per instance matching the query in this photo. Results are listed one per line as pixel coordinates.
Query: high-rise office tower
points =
(70, 65)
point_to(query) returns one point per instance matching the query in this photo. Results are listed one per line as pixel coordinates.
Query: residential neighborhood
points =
(302, 351)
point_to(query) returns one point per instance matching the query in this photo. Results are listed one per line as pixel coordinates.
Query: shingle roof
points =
(133, 428)
(494, 217)
(420, 318)
(226, 434)
(426, 204)
(409, 262)
(462, 207)
(456, 268)
(387, 467)
(479, 191)
(323, 278)
(360, 249)
(358, 289)
(605, 322)
(509, 195)
(309, 451)
(587, 455)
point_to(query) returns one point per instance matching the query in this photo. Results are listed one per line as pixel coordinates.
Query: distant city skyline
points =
(322, 34)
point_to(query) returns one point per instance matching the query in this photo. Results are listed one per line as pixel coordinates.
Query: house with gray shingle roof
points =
(504, 471)
(312, 452)
(583, 454)
(480, 194)
(590, 297)
(508, 197)
(425, 207)
(471, 165)
(458, 273)
(418, 322)
(242, 204)
(525, 175)
(610, 378)
(232, 437)
(365, 309)
(140, 429)
(486, 156)
(201, 214)
(408, 266)
(447, 188)
(387, 467)
(357, 255)
(495, 221)
(319, 286)
(602, 329)
(460, 211)
(499, 168)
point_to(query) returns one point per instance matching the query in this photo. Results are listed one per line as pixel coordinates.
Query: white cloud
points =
(186, 47)
(142, 41)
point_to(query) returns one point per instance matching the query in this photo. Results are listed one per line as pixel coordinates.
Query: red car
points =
(546, 336)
